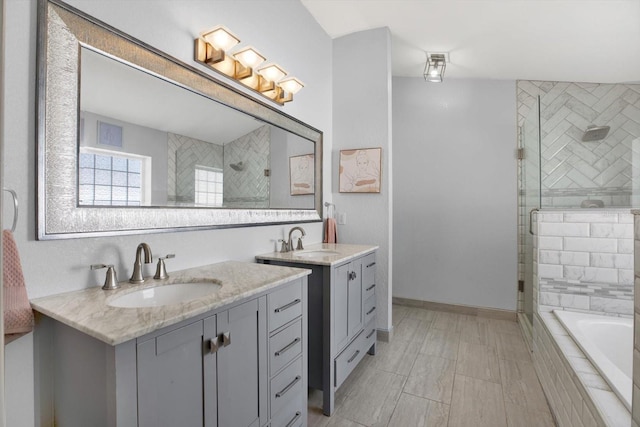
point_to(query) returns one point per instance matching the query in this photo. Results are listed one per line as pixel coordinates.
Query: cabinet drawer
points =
(285, 386)
(284, 305)
(368, 271)
(285, 346)
(368, 291)
(369, 309)
(370, 334)
(349, 359)
(291, 415)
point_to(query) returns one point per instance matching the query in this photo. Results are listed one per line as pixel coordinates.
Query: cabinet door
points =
(170, 375)
(340, 295)
(355, 309)
(241, 364)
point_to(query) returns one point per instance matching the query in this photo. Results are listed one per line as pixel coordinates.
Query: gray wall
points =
(58, 266)
(455, 191)
(284, 145)
(362, 119)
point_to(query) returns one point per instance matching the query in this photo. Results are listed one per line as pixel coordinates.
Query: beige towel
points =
(18, 316)
(330, 231)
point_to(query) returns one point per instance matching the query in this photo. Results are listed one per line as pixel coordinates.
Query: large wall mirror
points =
(131, 140)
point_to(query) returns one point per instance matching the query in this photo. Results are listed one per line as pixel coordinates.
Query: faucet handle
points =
(285, 246)
(110, 281)
(161, 269)
(300, 247)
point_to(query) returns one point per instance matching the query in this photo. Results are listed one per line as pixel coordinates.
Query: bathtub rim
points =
(548, 328)
(617, 380)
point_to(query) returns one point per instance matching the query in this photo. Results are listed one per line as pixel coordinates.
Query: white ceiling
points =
(557, 40)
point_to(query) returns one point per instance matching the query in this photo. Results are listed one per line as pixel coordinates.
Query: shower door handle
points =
(531, 219)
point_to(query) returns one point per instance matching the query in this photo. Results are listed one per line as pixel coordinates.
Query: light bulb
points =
(272, 72)
(249, 57)
(291, 85)
(221, 38)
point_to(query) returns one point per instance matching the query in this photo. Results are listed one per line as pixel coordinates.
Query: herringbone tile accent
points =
(184, 154)
(566, 110)
(249, 187)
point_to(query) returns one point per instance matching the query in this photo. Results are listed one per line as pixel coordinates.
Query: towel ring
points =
(329, 206)
(15, 208)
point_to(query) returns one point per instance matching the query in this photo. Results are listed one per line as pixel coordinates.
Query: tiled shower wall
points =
(585, 260)
(573, 171)
(184, 154)
(249, 187)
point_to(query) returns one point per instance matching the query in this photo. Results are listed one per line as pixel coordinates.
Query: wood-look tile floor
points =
(441, 369)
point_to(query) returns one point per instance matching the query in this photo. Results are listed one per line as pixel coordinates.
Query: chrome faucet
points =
(136, 277)
(289, 245)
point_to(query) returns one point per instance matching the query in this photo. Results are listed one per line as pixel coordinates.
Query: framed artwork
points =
(302, 174)
(109, 134)
(360, 170)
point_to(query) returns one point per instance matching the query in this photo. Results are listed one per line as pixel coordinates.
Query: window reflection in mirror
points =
(144, 141)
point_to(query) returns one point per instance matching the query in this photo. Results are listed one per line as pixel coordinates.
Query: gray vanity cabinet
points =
(194, 375)
(342, 324)
(241, 365)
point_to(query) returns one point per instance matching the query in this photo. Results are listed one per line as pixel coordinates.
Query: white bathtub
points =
(608, 342)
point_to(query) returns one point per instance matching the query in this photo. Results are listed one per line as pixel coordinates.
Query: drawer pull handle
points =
(225, 338)
(370, 333)
(287, 347)
(371, 311)
(213, 345)
(354, 356)
(287, 388)
(371, 265)
(370, 287)
(294, 419)
(284, 307)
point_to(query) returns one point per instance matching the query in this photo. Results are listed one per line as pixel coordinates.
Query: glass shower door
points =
(530, 198)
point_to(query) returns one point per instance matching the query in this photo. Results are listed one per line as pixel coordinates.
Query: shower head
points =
(237, 166)
(595, 133)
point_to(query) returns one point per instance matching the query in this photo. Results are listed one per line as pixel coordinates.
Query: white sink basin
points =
(315, 253)
(164, 295)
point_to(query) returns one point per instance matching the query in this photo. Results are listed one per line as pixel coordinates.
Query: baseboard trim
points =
(385, 335)
(527, 330)
(493, 313)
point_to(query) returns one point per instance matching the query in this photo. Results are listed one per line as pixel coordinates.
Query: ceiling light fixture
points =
(212, 49)
(435, 66)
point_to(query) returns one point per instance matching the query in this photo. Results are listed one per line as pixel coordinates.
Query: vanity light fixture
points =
(435, 66)
(213, 47)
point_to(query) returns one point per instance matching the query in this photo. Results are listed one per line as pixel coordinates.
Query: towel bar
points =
(329, 205)
(15, 208)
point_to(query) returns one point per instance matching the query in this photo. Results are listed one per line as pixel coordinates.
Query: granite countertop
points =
(344, 253)
(88, 310)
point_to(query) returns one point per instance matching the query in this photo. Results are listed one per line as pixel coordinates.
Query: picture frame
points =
(360, 170)
(109, 134)
(302, 175)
